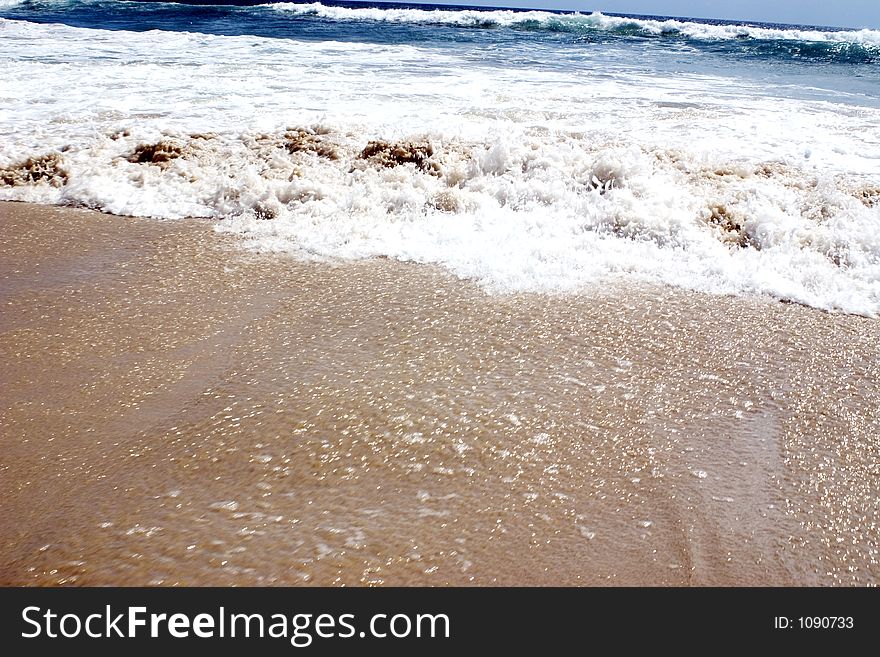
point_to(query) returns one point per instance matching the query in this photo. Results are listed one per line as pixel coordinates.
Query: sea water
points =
(530, 151)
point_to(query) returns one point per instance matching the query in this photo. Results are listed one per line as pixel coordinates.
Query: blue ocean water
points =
(528, 150)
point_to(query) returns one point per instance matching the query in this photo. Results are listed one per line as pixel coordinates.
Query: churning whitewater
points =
(527, 150)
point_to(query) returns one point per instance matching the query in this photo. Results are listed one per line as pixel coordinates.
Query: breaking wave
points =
(536, 214)
(575, 22)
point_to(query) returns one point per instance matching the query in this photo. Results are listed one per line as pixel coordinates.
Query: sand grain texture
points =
(177, 410)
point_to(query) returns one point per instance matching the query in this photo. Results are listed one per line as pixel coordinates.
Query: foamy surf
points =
(590, 21)
(524, 177)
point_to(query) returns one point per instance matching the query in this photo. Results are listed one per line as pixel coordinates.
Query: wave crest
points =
(576, 22)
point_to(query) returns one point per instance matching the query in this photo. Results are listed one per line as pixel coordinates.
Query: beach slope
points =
(178, 410)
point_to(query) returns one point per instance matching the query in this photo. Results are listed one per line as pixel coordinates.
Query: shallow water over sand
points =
(176, 411)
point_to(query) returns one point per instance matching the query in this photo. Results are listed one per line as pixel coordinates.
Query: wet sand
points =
(177, 410)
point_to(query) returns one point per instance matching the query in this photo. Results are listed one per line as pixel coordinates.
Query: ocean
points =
(528, 151)
(389, 295)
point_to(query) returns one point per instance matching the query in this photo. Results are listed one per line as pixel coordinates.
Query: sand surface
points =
(177, 410)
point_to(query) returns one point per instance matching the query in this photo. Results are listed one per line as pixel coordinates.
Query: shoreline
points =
(179, 410)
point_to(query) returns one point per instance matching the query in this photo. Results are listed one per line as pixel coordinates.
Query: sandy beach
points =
(178, 410)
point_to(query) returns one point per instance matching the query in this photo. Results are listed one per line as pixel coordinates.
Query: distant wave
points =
(750, 40)
(533, 20)
(37, 3)
(42, 4)
(595, 21)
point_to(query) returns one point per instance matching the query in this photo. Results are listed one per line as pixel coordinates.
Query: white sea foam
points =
(574, 21)
(539, 180)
